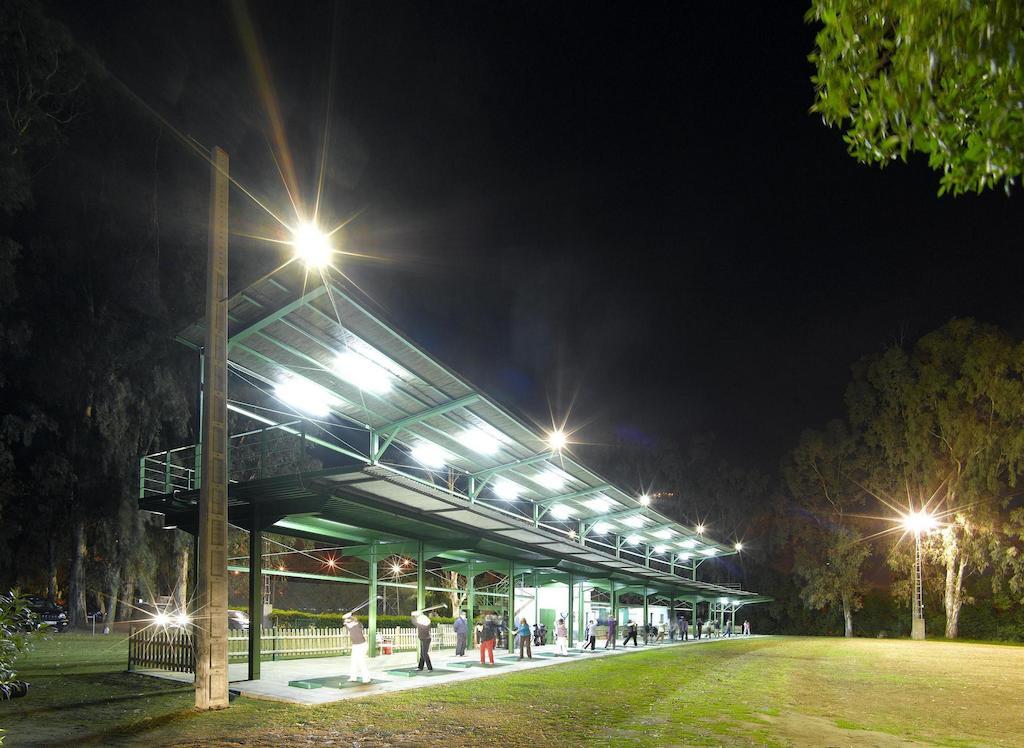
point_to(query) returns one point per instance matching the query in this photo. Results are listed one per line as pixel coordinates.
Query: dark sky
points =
(632, 207)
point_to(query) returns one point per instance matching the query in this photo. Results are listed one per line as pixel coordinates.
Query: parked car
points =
(50, 613)
(238, 620)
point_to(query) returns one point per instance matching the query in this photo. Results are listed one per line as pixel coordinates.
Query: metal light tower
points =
(918, 523)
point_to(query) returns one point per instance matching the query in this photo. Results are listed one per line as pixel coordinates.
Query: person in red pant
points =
(487, 638)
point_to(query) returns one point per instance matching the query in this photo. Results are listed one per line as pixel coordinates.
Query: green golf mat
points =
(333, 681)
(474, 663)
(411, 672)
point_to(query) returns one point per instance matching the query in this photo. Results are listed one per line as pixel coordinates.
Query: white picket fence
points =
(327, 642)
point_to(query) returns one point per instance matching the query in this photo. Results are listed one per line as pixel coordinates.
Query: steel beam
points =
(274, 316)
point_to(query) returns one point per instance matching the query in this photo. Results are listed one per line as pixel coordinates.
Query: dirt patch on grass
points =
(800, 730)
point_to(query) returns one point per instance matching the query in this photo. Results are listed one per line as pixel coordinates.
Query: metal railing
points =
(261, 453)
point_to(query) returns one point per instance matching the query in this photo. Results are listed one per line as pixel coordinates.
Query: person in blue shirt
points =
(524, 639)
(461, 633)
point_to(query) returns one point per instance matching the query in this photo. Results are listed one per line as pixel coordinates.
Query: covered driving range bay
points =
(364, 474)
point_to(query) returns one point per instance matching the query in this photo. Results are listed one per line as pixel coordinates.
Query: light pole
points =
(918, 523)
(211, 637)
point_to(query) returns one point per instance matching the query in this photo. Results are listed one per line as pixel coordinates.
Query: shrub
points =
(19, 628)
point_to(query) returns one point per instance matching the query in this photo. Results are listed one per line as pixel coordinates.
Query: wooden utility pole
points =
(211, 618)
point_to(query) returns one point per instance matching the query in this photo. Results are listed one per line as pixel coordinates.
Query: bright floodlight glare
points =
(161, 619)
(663, 534)
(738, 546)
(598, 505)
(699, 529)
(506, 489)
(478, 441)
(684, 556)
(634, 539)
(396, 569)
(709, 551)
(918, 522)
(550, 480)
(557, 440)
(182, 619)
(635, 521)
(305, 396)
(561, 511)
(363, 373)
(312, 246)
(429, 455)
(602, 528)
(688, 543)
(645, 500)
(659, 549)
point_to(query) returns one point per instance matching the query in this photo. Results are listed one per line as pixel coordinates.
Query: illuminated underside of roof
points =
(398, 433)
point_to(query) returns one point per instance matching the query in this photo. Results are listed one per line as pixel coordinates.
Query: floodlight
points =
(506, 489)
(550, 479)
(305, 396)
(633, 521)
(709, 551)
(699, 529)
(684, 556)
(429, 455)
(312, 246)
(919, 522)
(688, 543)
(659, 549)
(598, 505)
(362, 372)
(601, 528)
(561, 511)
(478, 441)
(182, 619)
(645, 500)
(663, 534)
(738, 546)
(161, 619)
(557, 440)
(634, 539)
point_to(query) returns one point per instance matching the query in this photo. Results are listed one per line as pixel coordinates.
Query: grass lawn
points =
(774, 691)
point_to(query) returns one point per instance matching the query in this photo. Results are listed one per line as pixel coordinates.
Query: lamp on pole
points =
(918, 523)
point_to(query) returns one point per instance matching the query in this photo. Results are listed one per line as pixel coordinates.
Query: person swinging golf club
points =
(360, 649)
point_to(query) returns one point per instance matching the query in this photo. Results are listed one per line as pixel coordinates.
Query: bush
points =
(302, 619)
(19, 628)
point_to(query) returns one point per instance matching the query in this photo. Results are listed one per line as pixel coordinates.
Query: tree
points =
(829, 552)
(942, 78)
(942, 425)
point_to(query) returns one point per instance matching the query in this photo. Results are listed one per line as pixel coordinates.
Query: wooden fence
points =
(161, 649)
(171, 649)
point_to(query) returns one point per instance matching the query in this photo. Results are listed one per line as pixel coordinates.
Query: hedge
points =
(303, 619)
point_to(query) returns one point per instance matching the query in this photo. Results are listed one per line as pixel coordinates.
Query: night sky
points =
(629, 208)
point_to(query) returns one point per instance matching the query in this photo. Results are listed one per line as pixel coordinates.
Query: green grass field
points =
(773, 691)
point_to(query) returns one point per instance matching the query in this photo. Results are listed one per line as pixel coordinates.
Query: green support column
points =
(672, 613)
(615, 603)
(579, 615)
(511, 604)
(470, 598)
(536, 600)
(255, 596)
(568, 623)
(421, 593)
(371, 627)
(646, 619)
(693, 614)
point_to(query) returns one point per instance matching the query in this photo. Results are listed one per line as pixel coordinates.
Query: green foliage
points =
(938, 77)
(19, 630)
(302, 619)
(942, 426)
(829, 552)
